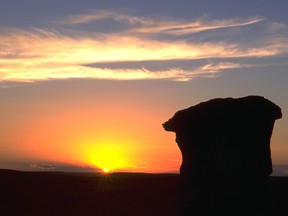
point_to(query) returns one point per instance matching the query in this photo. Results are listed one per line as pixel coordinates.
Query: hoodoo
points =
(225, 145)
(226, 136)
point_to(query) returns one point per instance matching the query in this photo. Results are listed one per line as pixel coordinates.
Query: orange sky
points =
(90, 83)
(116, 134)
(72, 122)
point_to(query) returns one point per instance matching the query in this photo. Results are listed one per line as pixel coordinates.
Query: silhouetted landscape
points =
(60, 193)
(226, 170)
(143, 108)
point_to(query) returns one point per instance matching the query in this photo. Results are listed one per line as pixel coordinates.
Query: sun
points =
(108, 156)
(106, 170)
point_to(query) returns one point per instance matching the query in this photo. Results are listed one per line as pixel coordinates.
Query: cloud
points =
(98, 15)
(63, 168)
(182, 28)
(40, 54)
(66, 72)
(158, 25)
(87, 18)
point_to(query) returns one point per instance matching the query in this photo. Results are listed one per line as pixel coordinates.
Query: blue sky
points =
(160, 56)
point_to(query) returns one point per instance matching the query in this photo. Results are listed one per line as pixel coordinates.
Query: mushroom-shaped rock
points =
(225, 146)
(226, 136)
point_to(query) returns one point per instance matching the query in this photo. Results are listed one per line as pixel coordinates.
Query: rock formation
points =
(225, 144)
(226, 136)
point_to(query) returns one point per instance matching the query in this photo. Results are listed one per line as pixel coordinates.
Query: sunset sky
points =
(87, 84)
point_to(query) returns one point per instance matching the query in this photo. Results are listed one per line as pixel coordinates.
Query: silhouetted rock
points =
(223, 141)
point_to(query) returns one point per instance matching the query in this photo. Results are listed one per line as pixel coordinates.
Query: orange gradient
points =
(109, 139)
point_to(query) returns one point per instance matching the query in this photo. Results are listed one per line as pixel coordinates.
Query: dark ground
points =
(85, 194)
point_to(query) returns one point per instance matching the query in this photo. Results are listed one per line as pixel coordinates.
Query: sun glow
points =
(106, 170)
(109, 156)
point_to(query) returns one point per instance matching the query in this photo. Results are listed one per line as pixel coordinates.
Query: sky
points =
(86, 85)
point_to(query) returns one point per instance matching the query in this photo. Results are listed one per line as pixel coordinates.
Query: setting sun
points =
(106, 170)
(108, 156)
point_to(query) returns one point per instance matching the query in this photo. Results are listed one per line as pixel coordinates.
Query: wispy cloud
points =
(63, 168)
(87, 18)
(97, 15)
(182, 28)
(37, 54)
(157, 24)
(66, 72)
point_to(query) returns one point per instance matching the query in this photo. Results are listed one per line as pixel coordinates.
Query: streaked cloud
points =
(96, 15)
(63, 168)
(158, 24)
(66, 72)
(39, 54)
(182, 28)
(87, 18)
